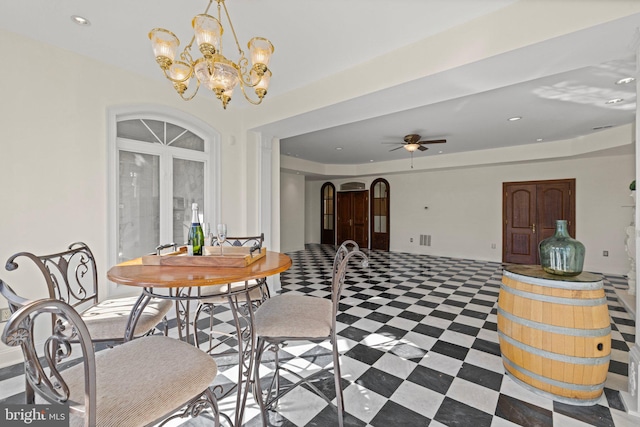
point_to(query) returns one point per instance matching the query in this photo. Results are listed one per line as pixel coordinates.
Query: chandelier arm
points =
(195, 92)
(258, 102)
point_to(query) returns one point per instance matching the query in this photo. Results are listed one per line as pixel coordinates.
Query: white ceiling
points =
(559, 87)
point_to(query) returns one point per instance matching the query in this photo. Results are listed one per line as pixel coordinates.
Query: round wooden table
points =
(182, 284)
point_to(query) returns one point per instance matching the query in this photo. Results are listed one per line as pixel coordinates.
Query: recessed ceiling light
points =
(539, 139)
(625, 81)
(371, 160)
(440, 152)
(614, 101)
(513, 119)
(338, 148)
(80, 20)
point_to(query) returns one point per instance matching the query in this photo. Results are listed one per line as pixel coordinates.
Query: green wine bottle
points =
(196, 236)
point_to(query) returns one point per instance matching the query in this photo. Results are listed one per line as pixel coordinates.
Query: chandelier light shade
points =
(213, 70)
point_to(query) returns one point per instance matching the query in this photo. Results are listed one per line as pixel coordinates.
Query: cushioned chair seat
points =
(108, 319)
(218, 294)
(294, 316)
(140, 376)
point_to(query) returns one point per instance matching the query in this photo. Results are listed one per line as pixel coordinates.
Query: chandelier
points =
(213, 69)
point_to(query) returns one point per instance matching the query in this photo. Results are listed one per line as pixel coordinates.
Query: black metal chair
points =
(211, 296)
(71, 276)
(145, 381)
(286, 318)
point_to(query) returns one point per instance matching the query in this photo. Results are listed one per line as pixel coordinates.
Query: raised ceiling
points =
(559, 86)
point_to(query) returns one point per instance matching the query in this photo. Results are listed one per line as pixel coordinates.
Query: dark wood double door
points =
(530, 210)
(353, 217)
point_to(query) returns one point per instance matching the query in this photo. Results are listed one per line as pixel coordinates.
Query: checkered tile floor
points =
(419, 345)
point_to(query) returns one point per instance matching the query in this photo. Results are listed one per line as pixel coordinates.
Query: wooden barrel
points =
(555, 333)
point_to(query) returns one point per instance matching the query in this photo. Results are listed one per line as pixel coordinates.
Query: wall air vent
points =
(349, 186)
(425, 240)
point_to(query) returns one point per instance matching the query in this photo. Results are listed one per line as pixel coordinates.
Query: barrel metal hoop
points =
(580, 387)
(555, 300)
(574, 286)
(574, 332)
(555, 356)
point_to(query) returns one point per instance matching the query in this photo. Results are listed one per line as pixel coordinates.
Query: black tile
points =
(369, 305)
(398, 304)
(454, 413)
(393, 414)
(408, 352)
(431, 331)
(354, 333)
(596, 415)
(614, 400)
(464, 329)
(391, 331)
(411, 315)
(431, 379)
(618, 367)
(364, 354)
(347, 319)
(443, 314)
(449, 349)
(523, 413)
(474, 314)
(481, 376)
(486, 346)
(379, 317)
(379, 381)
(454, 303)
(329, 417)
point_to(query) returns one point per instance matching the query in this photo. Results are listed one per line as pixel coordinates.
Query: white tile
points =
(485, 360)
(564, 421)
(362, 403)
(395, 365)
(474, 395)
(511, 388)
(463, 340)
(419, 399)
(442, 363)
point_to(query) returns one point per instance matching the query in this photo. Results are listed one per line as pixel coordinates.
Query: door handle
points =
(350, 222)
(533, 229)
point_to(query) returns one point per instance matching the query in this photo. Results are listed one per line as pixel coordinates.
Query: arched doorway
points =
(380, 214)
(328, 226)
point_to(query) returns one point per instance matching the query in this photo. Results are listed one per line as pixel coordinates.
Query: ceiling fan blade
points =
(397, 148)
(401, 143)
(412, 138)
(433, 141)
(421, 148)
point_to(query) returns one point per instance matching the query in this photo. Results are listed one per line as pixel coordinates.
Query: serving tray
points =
(232, 256)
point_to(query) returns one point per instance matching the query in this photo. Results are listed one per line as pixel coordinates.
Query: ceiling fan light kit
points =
(213, 69)
(412, 143)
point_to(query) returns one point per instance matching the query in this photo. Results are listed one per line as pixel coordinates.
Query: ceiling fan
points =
(412, 143)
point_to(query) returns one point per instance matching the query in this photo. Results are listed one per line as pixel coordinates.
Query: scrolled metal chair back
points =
(44, 366)
(254, 242)
(340, 265)
(71, 276)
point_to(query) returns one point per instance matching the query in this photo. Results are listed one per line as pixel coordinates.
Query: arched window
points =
(160, 163)
(328, 214)
(380, 213)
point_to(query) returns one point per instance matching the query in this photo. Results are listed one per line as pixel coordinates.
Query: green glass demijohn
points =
(560, 254)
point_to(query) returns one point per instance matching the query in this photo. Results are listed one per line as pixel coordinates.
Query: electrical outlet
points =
(605, 253)
(493, 246)
(5, 314)
(410, 239)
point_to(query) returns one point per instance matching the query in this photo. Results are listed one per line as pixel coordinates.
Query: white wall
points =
(465, 208)
(53, 153)
(292, 212)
